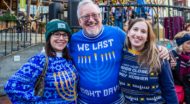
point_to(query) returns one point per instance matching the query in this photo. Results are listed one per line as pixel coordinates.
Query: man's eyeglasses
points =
(93, 15)
(58, 35)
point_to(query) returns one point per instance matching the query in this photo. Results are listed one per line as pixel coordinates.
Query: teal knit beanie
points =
(56, 25)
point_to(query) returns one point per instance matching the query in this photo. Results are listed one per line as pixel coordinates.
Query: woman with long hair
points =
(144, 78)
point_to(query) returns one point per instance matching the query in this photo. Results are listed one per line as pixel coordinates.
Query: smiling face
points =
(90, 19)
(137, 35)
(59, 40)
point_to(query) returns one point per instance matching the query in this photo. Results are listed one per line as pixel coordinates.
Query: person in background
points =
(141, 11)
(96, 2)
(144, 78)
(131, 14)
(61, 76)
(96, 50)
(187, 28)
(105, 12)
(149, 19)
(125, 26)
(181, 70)
(119, 16)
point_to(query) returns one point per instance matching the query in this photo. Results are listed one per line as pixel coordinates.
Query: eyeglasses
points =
(93, 15)
(58, 35)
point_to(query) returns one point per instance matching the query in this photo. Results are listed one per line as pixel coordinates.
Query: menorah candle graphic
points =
(66, 86)
(98, 65)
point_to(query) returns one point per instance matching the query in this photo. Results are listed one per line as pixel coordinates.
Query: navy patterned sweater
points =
(143, 87)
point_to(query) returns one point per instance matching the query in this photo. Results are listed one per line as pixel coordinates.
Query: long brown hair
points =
(149, 55)
(51, 52)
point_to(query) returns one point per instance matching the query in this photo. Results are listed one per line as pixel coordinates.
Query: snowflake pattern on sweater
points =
(60, 82)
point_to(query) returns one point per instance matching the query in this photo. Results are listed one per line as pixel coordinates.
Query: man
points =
(96, 52)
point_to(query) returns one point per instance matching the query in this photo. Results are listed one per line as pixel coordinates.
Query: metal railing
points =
(19, 36)
(161, 10)
(158, 15)
(158, 12)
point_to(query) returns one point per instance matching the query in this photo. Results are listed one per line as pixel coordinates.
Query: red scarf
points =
(185, 63)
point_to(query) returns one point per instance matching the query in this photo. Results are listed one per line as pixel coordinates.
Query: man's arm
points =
(172, 61)
(163, 52)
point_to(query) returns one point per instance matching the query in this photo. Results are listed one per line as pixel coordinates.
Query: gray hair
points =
(83, 3)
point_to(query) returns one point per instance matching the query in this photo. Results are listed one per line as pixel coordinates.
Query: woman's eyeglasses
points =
(58, 35)
(93, 15)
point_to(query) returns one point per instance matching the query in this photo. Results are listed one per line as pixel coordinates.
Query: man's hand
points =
(173, 62)
(163, 52)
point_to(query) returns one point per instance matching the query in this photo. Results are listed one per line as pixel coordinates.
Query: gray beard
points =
(92, 33)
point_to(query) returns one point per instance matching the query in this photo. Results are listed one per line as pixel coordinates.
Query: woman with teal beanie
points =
(60, 77)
